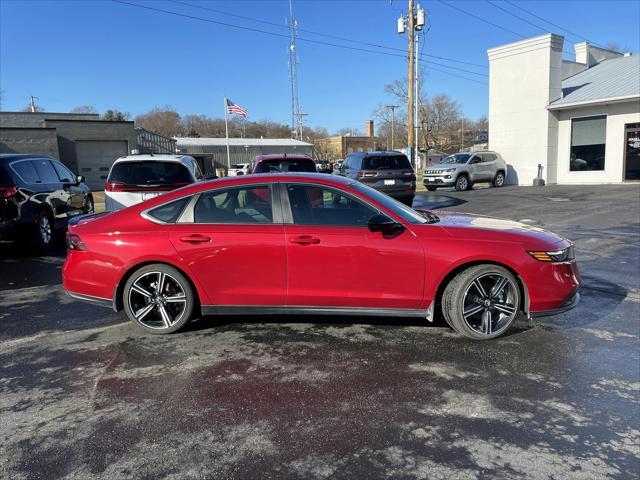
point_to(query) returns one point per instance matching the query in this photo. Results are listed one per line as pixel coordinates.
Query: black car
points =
(389, 172)
(38, 194)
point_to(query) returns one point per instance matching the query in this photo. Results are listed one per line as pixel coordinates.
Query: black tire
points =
(178, 304)
(463, 183)
(461, 289)
(44, 234)
(89, 206)
(432, 189)
(498, 180)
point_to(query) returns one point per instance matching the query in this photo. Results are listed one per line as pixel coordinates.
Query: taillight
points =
(74, 242)
(114, 186)
(8, 192)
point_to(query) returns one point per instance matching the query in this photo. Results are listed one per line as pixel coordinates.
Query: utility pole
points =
(414, 23)
(462, 136)
(393, 123)
(32, 103)
(296, 118)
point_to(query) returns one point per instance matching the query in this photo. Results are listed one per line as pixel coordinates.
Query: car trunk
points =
(387, 173)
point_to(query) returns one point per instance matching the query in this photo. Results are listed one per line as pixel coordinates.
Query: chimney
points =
(369, 129)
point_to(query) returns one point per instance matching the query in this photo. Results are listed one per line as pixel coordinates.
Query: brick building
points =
(338, 147)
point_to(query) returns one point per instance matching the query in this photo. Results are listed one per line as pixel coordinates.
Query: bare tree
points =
(83, 109)
(163, 120)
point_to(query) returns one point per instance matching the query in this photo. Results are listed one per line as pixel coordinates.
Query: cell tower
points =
(296, 117)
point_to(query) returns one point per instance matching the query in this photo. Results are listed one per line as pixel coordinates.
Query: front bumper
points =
(564, 307)
(439, 182)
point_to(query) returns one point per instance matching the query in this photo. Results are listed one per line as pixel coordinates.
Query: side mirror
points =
(80, 179)
(382, 223)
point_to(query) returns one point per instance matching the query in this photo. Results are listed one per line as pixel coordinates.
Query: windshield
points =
(400, 209)
(288, 165)
(153, 172)
(386, 162)
(456, 158)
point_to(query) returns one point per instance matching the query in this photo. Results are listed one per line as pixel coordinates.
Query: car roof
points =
(282, 156)
(382, 153)
(156, 158)
(9, 157)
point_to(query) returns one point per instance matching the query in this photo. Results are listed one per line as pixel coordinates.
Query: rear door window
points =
(151, 174)
(46, 172)
(386, 162)
(27, 171)
(242, 205)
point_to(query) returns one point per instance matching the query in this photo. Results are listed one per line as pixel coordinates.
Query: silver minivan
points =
(462, 170)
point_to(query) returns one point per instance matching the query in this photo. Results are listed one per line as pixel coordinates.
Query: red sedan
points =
(314, 244)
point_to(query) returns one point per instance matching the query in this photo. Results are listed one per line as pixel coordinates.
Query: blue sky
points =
(110, 55)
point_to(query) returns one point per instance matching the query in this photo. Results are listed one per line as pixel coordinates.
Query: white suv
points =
(238, 169)
(135, 178)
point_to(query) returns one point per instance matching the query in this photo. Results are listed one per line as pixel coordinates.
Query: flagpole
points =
(226, 129)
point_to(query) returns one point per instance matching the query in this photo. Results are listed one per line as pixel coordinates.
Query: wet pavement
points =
(83, 394)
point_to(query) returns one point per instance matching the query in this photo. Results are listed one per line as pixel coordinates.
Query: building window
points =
(588, 139)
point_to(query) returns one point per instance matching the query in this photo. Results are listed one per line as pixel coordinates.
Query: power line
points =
(321, 34)
(547, 21)
(481, 19)
(274, 34)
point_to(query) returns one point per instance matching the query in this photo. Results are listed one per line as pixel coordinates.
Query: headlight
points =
(555, 255)
(450, 170)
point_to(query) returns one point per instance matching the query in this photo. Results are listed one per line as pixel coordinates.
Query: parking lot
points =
(83, 394)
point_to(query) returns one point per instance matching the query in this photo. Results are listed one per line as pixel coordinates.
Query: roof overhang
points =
(589, 103)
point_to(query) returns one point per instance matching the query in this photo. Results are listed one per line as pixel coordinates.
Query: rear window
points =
(387, 162)
(289, 165)
(169, 212)
(150, 173)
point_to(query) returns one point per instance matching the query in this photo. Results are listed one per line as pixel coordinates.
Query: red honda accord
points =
(313, 244)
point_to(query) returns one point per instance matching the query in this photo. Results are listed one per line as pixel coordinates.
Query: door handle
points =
(195, 238)
(305, 240)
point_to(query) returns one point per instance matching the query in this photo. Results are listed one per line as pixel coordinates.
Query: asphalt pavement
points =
(84, 394)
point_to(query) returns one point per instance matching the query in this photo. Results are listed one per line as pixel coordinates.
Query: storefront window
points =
(588, 139)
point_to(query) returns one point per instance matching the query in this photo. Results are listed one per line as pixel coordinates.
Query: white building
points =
(579, 119)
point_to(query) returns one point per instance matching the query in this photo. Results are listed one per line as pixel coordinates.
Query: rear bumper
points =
(564, 307)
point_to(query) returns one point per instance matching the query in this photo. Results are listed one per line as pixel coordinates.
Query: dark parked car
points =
(38, 194)
(388, 172)
(282, 163)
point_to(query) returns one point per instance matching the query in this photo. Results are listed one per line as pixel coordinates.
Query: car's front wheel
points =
(158, 299)
(481, 302)
(462, 183)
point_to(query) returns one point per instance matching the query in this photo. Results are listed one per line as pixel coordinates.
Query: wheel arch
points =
(524, 292)
(118, 303)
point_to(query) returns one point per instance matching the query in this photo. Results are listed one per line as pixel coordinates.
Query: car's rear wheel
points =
(432, 189)
(462, 183)
(158, 299)
(481, 302)
(44, 229)
(498, 180)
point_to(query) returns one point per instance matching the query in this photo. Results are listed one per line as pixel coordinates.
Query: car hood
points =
(444, 166)
(490, 228)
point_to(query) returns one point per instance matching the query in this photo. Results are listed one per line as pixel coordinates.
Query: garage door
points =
(95, 159)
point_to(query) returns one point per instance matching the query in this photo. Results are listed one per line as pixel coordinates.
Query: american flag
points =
(235, 108)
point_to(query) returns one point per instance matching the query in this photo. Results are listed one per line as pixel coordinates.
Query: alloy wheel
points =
(89, 206)
(463, 183)
(499, 180)
(44, 226)
(490, 304)
(157, 300)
